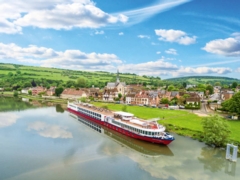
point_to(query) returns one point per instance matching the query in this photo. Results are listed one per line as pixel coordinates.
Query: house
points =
(25, 90)
(199, 93)
(37, 90)
(153, 98)
(174, 94)
(227, 94)
(51, 91)
(217, 89)
(133, 87)
(193, 98)
(190, 86)
(130, 97)
(237, 89)
(73, 94)
(110, 94)
(142, 98)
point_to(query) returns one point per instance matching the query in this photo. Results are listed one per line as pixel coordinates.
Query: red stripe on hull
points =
(122, 131)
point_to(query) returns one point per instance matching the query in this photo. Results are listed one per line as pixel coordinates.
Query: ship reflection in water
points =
(142, 147)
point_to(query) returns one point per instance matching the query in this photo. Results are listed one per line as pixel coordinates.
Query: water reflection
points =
(13, 104)
(144, 148)
(49, 131)
(59, 108)
(7, 119)
(214, 160)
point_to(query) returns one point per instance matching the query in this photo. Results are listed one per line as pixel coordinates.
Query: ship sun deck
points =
(124, 118)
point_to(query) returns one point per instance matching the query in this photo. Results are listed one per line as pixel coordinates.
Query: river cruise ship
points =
(123, 122)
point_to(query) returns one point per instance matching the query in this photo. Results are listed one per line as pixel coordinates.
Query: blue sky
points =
(166, 38)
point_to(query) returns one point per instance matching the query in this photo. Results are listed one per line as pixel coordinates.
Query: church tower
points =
(117, 80)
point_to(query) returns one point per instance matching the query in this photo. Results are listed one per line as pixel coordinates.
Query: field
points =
(181, 122)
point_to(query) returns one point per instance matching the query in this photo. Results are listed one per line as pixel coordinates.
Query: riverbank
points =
(184, 123)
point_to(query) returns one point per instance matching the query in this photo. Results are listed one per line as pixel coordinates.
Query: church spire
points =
(117, 81)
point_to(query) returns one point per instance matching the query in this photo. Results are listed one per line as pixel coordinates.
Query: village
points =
(136, 94)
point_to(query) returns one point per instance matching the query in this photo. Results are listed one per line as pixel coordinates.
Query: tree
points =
(81, 82)
(216, 130)
(119, 95)
(58, 91)
(29, 92)
(15, 94)
(124, 108)
(184, 84)
(210, 89)
(33, 83)
(217, 84)
(170, 88)
(27, 84)
(234, 84)
(232, 105)
(164, 101)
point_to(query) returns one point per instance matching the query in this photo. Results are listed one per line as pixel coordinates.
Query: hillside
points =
(20, 76)
(17, 74)
(202, 80)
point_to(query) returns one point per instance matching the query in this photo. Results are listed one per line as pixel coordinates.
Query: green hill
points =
(202, 80)
(20, 74)
(13, 75)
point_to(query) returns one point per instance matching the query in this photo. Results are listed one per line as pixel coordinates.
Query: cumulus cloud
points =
(201, 70)
(55, 14)
(51, 58)
(49, 131)
(227, 47)
(158, 52)
(177, 36)
(171, 51)
(238, 70)
(149, 68)
(121, 34)
(144, 36)
(7, 119)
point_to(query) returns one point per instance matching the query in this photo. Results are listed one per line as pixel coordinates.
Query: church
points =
(112, 89)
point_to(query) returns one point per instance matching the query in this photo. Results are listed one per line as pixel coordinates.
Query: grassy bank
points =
(181, 122)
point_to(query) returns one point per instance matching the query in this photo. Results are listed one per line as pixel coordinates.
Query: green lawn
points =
(181, 119)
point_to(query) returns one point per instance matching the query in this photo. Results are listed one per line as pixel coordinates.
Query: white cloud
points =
(139, 15)
(143, 36)
(48, 57)
(149, 68)
(55, 14)
(49, 131)
(171, 51)
(238, 70)
(99, 32)
(201, 70)
(7, 119)
(158, 52)
(121, 34)
(177, 36)
(226, 47)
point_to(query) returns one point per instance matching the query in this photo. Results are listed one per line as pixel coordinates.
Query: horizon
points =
(160, 38)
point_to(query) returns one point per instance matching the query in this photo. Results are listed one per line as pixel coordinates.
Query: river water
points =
(48, 143)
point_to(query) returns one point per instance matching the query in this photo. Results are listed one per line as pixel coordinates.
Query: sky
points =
(160, 38)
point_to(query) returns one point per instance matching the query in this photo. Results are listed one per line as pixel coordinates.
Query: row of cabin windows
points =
(90, 113)
(136, 130)
(72, 106)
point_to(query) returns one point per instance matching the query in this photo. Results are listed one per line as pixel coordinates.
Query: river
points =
(42, 141)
